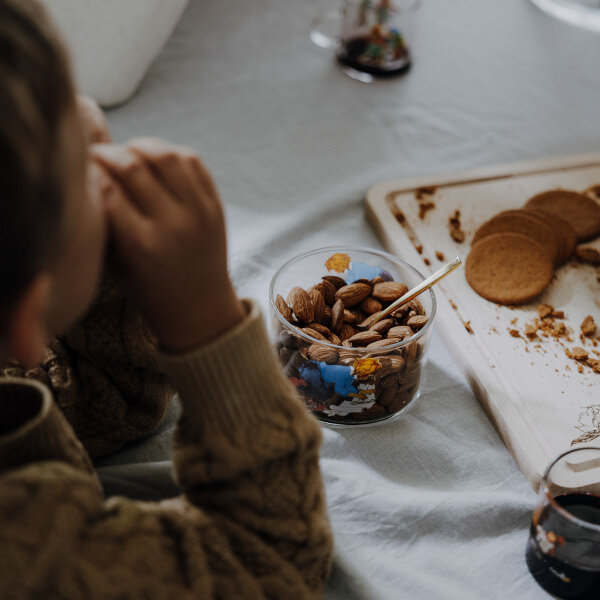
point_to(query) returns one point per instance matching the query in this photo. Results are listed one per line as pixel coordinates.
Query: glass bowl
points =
(340, 383)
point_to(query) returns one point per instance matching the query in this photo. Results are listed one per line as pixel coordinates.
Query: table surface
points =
(430, 505)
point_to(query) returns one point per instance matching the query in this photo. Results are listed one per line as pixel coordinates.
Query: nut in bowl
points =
(348, 365)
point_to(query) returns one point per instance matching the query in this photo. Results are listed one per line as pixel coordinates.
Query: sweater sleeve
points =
(104, 374)
(251, 521)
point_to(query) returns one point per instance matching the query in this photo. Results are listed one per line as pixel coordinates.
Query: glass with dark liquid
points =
(375, 37)
(563, 550)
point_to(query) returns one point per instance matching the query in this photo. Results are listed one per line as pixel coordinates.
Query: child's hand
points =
(93, 120)
(168, 240)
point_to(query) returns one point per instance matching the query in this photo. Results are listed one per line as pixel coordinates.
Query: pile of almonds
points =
(345, 315)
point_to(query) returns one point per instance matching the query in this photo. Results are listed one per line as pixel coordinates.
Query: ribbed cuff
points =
(35, 428)
(235, 380)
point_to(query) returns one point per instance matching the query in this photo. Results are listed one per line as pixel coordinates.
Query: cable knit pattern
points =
(104, 375)
(251, 522)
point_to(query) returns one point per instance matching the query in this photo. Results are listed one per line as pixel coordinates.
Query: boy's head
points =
(51, 230)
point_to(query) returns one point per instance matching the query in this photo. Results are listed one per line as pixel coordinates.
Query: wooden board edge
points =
(480, 174)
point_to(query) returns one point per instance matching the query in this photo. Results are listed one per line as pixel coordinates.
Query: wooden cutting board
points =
(531, 390)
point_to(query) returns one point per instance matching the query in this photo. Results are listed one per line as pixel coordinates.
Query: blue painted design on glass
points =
(340, 376)
(360, 270)
(315, 387)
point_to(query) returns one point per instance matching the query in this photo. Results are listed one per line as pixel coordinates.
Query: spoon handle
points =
(424, 285)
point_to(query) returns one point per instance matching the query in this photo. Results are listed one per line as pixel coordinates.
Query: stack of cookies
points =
(514, 254)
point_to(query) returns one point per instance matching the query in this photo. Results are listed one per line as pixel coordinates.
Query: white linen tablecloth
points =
(431, 505)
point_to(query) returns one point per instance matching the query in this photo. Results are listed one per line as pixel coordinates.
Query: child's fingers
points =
(127, 223)
(178, 167)
(94, 120)
(135, 177)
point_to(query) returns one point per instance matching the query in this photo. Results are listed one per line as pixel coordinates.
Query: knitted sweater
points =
(104, 374)
(251, 521)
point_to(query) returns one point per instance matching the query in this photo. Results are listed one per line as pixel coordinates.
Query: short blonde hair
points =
(36, 92)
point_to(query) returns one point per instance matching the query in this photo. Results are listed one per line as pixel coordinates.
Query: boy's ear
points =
(27, 328)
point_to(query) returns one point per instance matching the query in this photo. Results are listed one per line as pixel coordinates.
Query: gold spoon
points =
(419, 289)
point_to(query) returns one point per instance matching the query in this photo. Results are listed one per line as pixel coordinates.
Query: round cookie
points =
(566, 237)
(508, 268)
(518, 221)
(582, 212)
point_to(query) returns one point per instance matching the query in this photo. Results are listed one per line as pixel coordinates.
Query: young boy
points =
(251, 522)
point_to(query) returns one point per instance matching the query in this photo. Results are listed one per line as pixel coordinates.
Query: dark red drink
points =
(559, 555)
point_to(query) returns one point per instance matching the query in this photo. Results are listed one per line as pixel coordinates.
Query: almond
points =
(410, 377)
(319, 304)
(399, 402)
(371, 320)
(401, 312)
(396, 364)
(350, 316)
(383, 326)
(409, 352)
(337, 282)
(322, 353)
(370, 305)
(388, 291)
(301, 304)
(353, 294)
(374, 412)
(389, 381)
(335, 339)
(381, 344)
(337, 316)
(349, 355)
(400, 331)
(417, 306)
(283, 308)
(285, 354)
(320, 328)
(377, 279)
(327, 289)
(346, 331)
(417, 321)
(388, 395)
(314, 334)
(364, 338)
(287, 338)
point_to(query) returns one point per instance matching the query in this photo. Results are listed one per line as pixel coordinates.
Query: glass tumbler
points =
(371, 38)
(340, 382)
(563, 550)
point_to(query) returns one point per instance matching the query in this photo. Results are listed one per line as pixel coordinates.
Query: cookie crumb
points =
(439, 255)
(544, 310)
(588, 255)
(468, 327)
(399, 215)
(456, 232)
(514, 333)
(424, 208)
(419, 248)
(453, 305)
(427, 261)
(426, 190)
(588, 326)
(577, 353)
